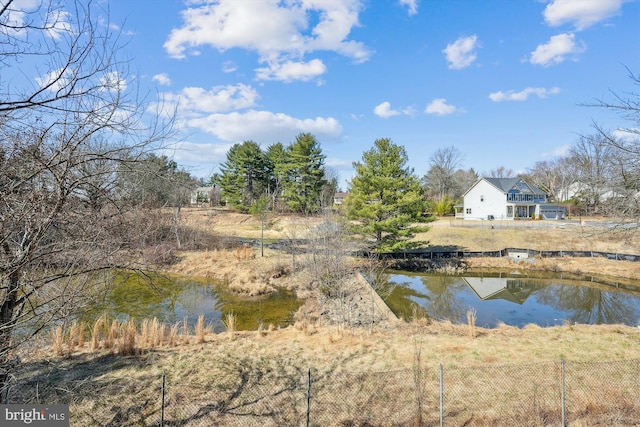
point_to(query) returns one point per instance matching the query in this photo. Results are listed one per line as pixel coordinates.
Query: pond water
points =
(515, 301)
(171, 300)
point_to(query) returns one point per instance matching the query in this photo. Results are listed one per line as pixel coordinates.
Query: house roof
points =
(506, 184)
(204, 189)
(498, 288)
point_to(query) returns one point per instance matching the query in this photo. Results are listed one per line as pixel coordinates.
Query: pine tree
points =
(385, 198)
(244, 175)
(276, 155)
(305, 174)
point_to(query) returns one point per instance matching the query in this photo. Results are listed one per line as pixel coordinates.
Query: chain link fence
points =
(540, 394)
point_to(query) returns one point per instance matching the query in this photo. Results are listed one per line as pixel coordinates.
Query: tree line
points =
(292, 177)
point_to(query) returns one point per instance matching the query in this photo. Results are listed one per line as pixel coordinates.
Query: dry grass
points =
(128, 347)
(547, 235)
(471, 322)
(57, 341)
(378, 350)
(519, 357)
(200, 329)
(229, 322)
(96, 331)
(125, 338)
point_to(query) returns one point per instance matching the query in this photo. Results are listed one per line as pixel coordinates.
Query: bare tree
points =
(439, 180)
(68, 118)
(501, 172)
(329, 188)
(463, 180)
(592, 158)
(624, 143)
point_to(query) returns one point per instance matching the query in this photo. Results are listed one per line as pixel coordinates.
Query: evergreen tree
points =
(243, 175)
(276, 156)
(385, 198)
(305, 174)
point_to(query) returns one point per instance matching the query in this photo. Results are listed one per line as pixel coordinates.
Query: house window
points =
(468, 211)
(482, 198)
(509, 211)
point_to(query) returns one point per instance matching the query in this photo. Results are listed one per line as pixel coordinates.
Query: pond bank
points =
(607, 268)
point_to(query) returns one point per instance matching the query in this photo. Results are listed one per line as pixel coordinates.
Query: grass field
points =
(232, 373)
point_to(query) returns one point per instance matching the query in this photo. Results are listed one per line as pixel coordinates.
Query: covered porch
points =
(521, 210)
(459, 211)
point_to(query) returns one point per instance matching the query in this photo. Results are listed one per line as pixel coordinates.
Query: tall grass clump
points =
(229, 322)
(72, 339)
(173, 336)
(58, 340)
(81, 331)
(128, 343)
(155, 333)
(112, 336)
(152, 333)
(471, 321)
(95, 332)
(185, 330)
(200, 329)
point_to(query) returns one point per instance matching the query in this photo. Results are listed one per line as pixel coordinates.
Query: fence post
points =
(564, 423)
(441, 396)
(308, 397)
(162, 407)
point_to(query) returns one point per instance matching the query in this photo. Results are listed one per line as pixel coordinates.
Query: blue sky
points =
(501, 80)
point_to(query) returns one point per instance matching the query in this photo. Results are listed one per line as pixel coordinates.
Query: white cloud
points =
(523, 95)
(22, 14)
(556, 50)
(560, 151)
(280, 32)
(627, 135)
(290, 71)
(229, 67)
(162, 79)
(264, 126)
(338, 163)
(55, 80)
(440, 107)
(461, 53)
(192, 101)
(58, 24)
(185, 152)
(385, 111)
(582, 13)
(411, 4)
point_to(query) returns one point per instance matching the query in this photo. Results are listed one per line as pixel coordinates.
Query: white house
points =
(506, 199)
(203, 195)
(338, 198)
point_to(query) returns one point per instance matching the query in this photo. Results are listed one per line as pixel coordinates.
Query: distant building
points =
(338, 198)
(506, 199)
(204, 196)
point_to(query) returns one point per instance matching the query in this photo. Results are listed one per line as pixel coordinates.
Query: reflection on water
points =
(515, 301)
(171, 300)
